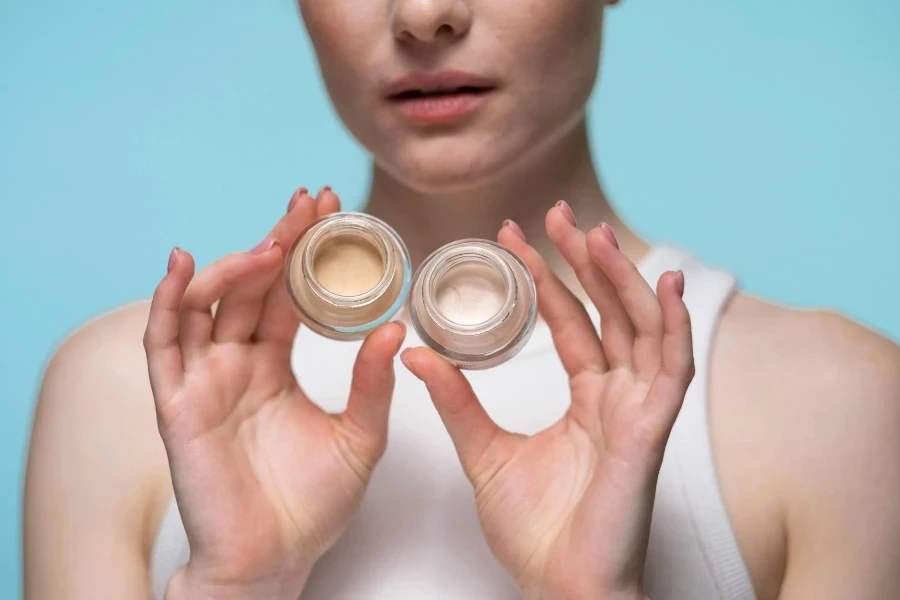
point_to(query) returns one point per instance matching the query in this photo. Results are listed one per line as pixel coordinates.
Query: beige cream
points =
(348, 266)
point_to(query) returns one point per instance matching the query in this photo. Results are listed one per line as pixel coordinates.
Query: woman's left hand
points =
(567, 511)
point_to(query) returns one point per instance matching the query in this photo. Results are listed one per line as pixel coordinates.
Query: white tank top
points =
(416, 534)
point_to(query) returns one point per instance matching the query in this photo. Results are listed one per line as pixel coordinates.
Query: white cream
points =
(470, 293)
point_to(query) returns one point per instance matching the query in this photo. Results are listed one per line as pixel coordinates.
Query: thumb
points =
(371, 388)
(479, 442)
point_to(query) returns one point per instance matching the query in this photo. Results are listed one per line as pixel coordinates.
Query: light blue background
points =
(764, 136)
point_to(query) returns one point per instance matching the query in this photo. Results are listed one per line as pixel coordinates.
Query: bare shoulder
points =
(805, 419)
(97, 475)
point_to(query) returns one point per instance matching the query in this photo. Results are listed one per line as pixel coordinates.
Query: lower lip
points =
(439, 109)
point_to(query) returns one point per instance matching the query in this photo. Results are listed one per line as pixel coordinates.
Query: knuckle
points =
(230, 275)
(147, 340)
(691, 369)
(539, 274)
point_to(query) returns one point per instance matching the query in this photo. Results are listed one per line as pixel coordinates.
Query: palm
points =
(542, 491)
(246, 426)
(567, 511)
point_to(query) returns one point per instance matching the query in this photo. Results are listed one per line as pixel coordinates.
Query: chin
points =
(447, 166)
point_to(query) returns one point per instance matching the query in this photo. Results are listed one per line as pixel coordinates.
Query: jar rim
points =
(465, 251)
(346, 317)
(509, 329)
(358, 225)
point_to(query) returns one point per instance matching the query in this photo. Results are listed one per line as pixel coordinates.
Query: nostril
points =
(407, 37)
(427, 21)
(444, 30)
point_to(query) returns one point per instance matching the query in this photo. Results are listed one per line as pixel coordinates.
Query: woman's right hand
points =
(265, 480)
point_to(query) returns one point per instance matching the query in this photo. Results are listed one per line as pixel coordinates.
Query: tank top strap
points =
(171, 550)
(688, 488)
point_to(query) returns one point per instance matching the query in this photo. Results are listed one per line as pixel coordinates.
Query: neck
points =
(563, 171)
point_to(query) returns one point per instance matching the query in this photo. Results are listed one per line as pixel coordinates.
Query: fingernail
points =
(514, 228)
(296, 198)
(679, 282)
(402, 326)
(264, 246)
(325, 188)
(567, 211)
(403, 358)
(173, 256)
(608, 232)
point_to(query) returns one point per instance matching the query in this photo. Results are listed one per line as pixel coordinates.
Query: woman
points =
(777, 479)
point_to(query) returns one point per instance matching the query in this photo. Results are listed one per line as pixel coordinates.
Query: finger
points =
(574, 336)
(239, 310)
(208, 286)
(638, 299)
(676, 370)
(372, 387)
(327, 202)
(301, 205)
(478, 440)
(278, 320)
(161, 336)
(616, 330)
(295, 197)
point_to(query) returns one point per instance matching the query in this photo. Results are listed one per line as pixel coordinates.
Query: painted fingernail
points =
(512, 226)
(173, 256)
(264, 246)
(296, 198)
(567, 212)
(679, 282)
(608, 232)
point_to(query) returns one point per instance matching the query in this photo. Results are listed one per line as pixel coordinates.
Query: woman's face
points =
(449, 94)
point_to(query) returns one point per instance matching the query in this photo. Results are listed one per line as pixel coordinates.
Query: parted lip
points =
(437, 81)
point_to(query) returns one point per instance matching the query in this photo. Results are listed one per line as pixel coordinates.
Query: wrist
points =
(188, 584)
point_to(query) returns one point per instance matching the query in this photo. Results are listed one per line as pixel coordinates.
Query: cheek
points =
(348, 37)
(554, 46)
(342, 33)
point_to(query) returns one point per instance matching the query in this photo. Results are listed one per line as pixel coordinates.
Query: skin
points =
(805, 405)
(567, 511)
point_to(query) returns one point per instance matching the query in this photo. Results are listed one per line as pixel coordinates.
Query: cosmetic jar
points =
(473, 302)
(346, 274)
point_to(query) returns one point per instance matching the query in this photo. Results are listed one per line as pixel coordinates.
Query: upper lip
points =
(424, 81)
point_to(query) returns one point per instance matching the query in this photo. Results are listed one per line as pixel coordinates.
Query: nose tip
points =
(430, 20)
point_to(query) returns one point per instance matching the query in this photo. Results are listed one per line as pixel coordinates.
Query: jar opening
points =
(469, 292)
(347, 262)
(348, 265)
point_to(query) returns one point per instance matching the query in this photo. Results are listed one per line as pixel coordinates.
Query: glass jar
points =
(346, 274)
